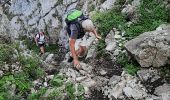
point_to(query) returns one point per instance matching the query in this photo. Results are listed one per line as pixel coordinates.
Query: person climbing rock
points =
(40, 40)
(77, 25)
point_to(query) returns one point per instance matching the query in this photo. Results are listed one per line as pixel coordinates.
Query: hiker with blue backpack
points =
(77, 25)
(41, 39)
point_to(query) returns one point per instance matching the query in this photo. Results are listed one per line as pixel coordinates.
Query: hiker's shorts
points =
(40, 45)
(85, 41)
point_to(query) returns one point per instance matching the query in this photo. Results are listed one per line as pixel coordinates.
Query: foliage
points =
(6, 53)
(31, 66)
(130, 67)
(105, 21)
(151, 13)
(70, 90)
(165, 72)
(37, 95)
(100, 47)
(5, 84)
(20, 80)
(57, 81)
(56, 94)
(61, 88)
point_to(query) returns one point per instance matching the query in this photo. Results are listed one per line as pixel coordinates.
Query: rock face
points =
(4, 31)
(151, 48)
(28, 16)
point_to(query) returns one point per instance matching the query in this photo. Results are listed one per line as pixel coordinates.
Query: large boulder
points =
(151, 48)
(163, 91)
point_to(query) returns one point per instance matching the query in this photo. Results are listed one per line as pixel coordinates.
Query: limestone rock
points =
(163, 91)
(151, 48)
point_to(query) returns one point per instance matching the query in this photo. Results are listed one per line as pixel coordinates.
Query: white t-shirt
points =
(41, 38)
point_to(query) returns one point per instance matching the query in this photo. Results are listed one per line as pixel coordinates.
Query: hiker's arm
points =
(73, 52)
(46, 38)
(72, 48)
(96, 34)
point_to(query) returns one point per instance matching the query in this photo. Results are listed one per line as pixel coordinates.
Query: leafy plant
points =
(22, 82)
(6, 53)
(105, 21)
(70, 90)
(57, 81)
(38, 95)
(31, 66)
(151, 13)
(165, 72)
(130, 67)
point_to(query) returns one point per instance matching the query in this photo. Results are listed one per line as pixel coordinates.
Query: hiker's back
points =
(73, 20)
(40, 38)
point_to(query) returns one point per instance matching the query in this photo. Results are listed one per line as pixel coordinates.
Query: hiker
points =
(40, 40)
(77, 26)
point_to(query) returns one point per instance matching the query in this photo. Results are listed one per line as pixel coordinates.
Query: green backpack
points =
(72, 15)
(75, 17)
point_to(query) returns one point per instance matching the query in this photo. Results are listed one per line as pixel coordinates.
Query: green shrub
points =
(151, 13)
(57, 81)
(130, 67)
(5, 85)
(70, 90)
(22, 82)
(31, 66)
(105, 21)
(165, 72)
(38, 95)
(6, 53)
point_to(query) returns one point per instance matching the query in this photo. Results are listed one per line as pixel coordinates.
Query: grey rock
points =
(114, 80)
(150, 48)
(103, 72)
(108, 4)
(49, 58)
(79, 79)
(88, 83)
(136, 3)
(1, 73)
(137, 94)
(163, 91)
(147, 74)
(50, 77)
(110, 41)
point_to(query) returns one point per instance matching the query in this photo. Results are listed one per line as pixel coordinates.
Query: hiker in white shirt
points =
(40, 40)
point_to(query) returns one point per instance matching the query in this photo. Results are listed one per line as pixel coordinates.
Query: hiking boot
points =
(70, 59)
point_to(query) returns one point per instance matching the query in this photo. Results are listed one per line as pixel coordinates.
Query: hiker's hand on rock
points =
(76, 63)
(98, 37)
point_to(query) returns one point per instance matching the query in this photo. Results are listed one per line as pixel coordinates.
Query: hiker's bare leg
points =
(81, 51)
(42, 49)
